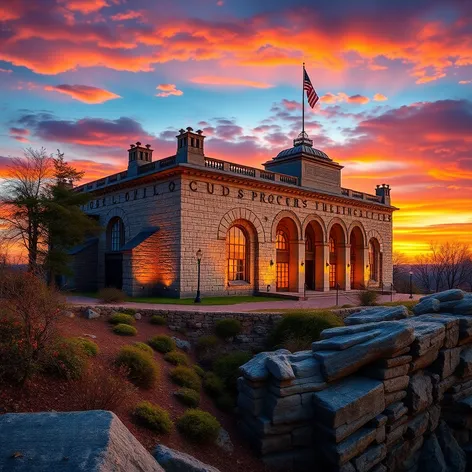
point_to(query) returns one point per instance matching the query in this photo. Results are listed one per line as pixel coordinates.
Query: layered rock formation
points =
(388, 392)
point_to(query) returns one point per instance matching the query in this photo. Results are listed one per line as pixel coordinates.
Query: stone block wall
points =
(254, 333)
(387, 392)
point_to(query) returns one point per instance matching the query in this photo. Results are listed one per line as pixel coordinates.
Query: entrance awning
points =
(139, 238)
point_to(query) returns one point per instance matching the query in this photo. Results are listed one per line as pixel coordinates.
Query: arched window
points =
(281, 241)
(309, 243)
(332, 263)
(237, 254)
(115, 234)
(374, 260)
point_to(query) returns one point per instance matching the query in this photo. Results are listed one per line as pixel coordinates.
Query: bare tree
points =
(21, 201)
(400, 267)
(455, 261)
(422, 271)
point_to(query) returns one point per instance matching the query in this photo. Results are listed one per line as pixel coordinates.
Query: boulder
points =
(432, 458)
(91, 314)
(429, 305)
(223, 441)
(95, 441)
(280, 367)
(387, 338)
(176, 461)
(137, 316)
(454, 456)
(373, 315)
(68, 314)
(445, 296)
(464, 307)
(256, 369)
(182, 344)
(419, 393)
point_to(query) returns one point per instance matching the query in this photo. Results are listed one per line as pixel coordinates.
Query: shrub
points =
(67, 359)
(90, 348)
(198, 426)
(100, 389)
(177, 358)
(206, 347)
(188, 397)
(153, 417)
(186, 377)
(111, 295)
(302, 325)
(368, 297)
(121, 318)
(225, 402)
(31, 313)
(125, 330)
(213, 385)
(143, 370)
(128, 311)
(157, 320)
(227, 328)
(227, 367)
(144, 347)
(162, 343)
(295, 344)
(198, 370)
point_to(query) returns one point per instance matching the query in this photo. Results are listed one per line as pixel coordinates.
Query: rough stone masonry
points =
(390, 391)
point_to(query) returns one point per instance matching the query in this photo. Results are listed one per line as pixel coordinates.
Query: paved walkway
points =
(325, 301)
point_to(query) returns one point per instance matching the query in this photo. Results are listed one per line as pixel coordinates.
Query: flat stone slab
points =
(446, 295)
(256, 369)
(89, 441)
(429, 305)
(348, 400)
(373, 315)
(176, 461)
(391, 336)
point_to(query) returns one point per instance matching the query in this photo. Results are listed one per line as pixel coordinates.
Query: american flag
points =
(310, 91)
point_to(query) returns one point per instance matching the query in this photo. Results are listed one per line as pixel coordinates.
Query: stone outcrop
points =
(389, 392)
(176, 461)
(95, 441)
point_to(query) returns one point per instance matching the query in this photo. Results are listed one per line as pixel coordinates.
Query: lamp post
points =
(199, 260)
(411, 284)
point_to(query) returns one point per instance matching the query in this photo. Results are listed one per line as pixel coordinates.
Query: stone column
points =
(343, 271)
(301, 268)
(325, 287)
(367, 269)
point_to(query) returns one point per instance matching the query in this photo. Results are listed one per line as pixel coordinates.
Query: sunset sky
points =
(395, 79)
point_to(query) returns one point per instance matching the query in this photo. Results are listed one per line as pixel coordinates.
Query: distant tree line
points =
(447, 265)
(40, 210)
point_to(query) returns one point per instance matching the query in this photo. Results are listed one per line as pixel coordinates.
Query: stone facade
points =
(169, 209)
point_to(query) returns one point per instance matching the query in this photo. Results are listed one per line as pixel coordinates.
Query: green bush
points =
(302, 325)
(68, 359)
(125, 330)
(368, 297)
(177, 358)
(157, 320)
(144, 347)
(162, 343)
(142, 370)
(111, 295)
(198, 370)
(228, 328)
(188, 397)
(153, 417)
(227, 367)
(213, 385)
(186, 377)
(198, 426)
(225, 402)
(122, 318)
(206, 345)
(90, 348)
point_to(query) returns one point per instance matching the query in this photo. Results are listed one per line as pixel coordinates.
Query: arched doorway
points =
(337, 257)
(115, 236)
(314, 263)
(286, 245)
(356, 262)
(375, 263)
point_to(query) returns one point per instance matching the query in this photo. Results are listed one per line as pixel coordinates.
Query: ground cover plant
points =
(88, 345)
(198, 426)
(125, 330)
(142, 369)
(157, 320)
(153, 417)
(162, 343)
(188, 397)
(144, 347)
(122, 318)
(177, 358)
(186, 377)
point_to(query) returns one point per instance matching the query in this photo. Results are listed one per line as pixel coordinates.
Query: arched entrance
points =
(337, 257)
(314, 262)
(357, 262)
(115, 238)
(286, 245)
(375, 262)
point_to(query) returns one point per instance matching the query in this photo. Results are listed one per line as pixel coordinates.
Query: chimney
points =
(138, 155)
(384, 192)
(190, 146)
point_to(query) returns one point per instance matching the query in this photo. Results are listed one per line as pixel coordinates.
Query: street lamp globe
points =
(199, 255)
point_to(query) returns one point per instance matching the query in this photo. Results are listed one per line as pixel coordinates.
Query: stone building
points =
(286, 228)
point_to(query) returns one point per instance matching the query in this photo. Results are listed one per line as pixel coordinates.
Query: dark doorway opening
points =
(114, 270)
(310, 275)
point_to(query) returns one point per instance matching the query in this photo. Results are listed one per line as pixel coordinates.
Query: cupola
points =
(190, 146)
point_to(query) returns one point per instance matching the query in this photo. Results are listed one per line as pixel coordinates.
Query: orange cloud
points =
(228, 82)
(83, 93)
(380, 97)
(84, 6)
(343, 97)
(128, 15)
(168, 90)
(463, 82)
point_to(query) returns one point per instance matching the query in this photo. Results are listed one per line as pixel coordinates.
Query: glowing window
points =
(282, 275)
(281, 241)
(237, 254)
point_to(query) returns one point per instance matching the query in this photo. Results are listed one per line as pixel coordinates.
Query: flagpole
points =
(303, 101)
